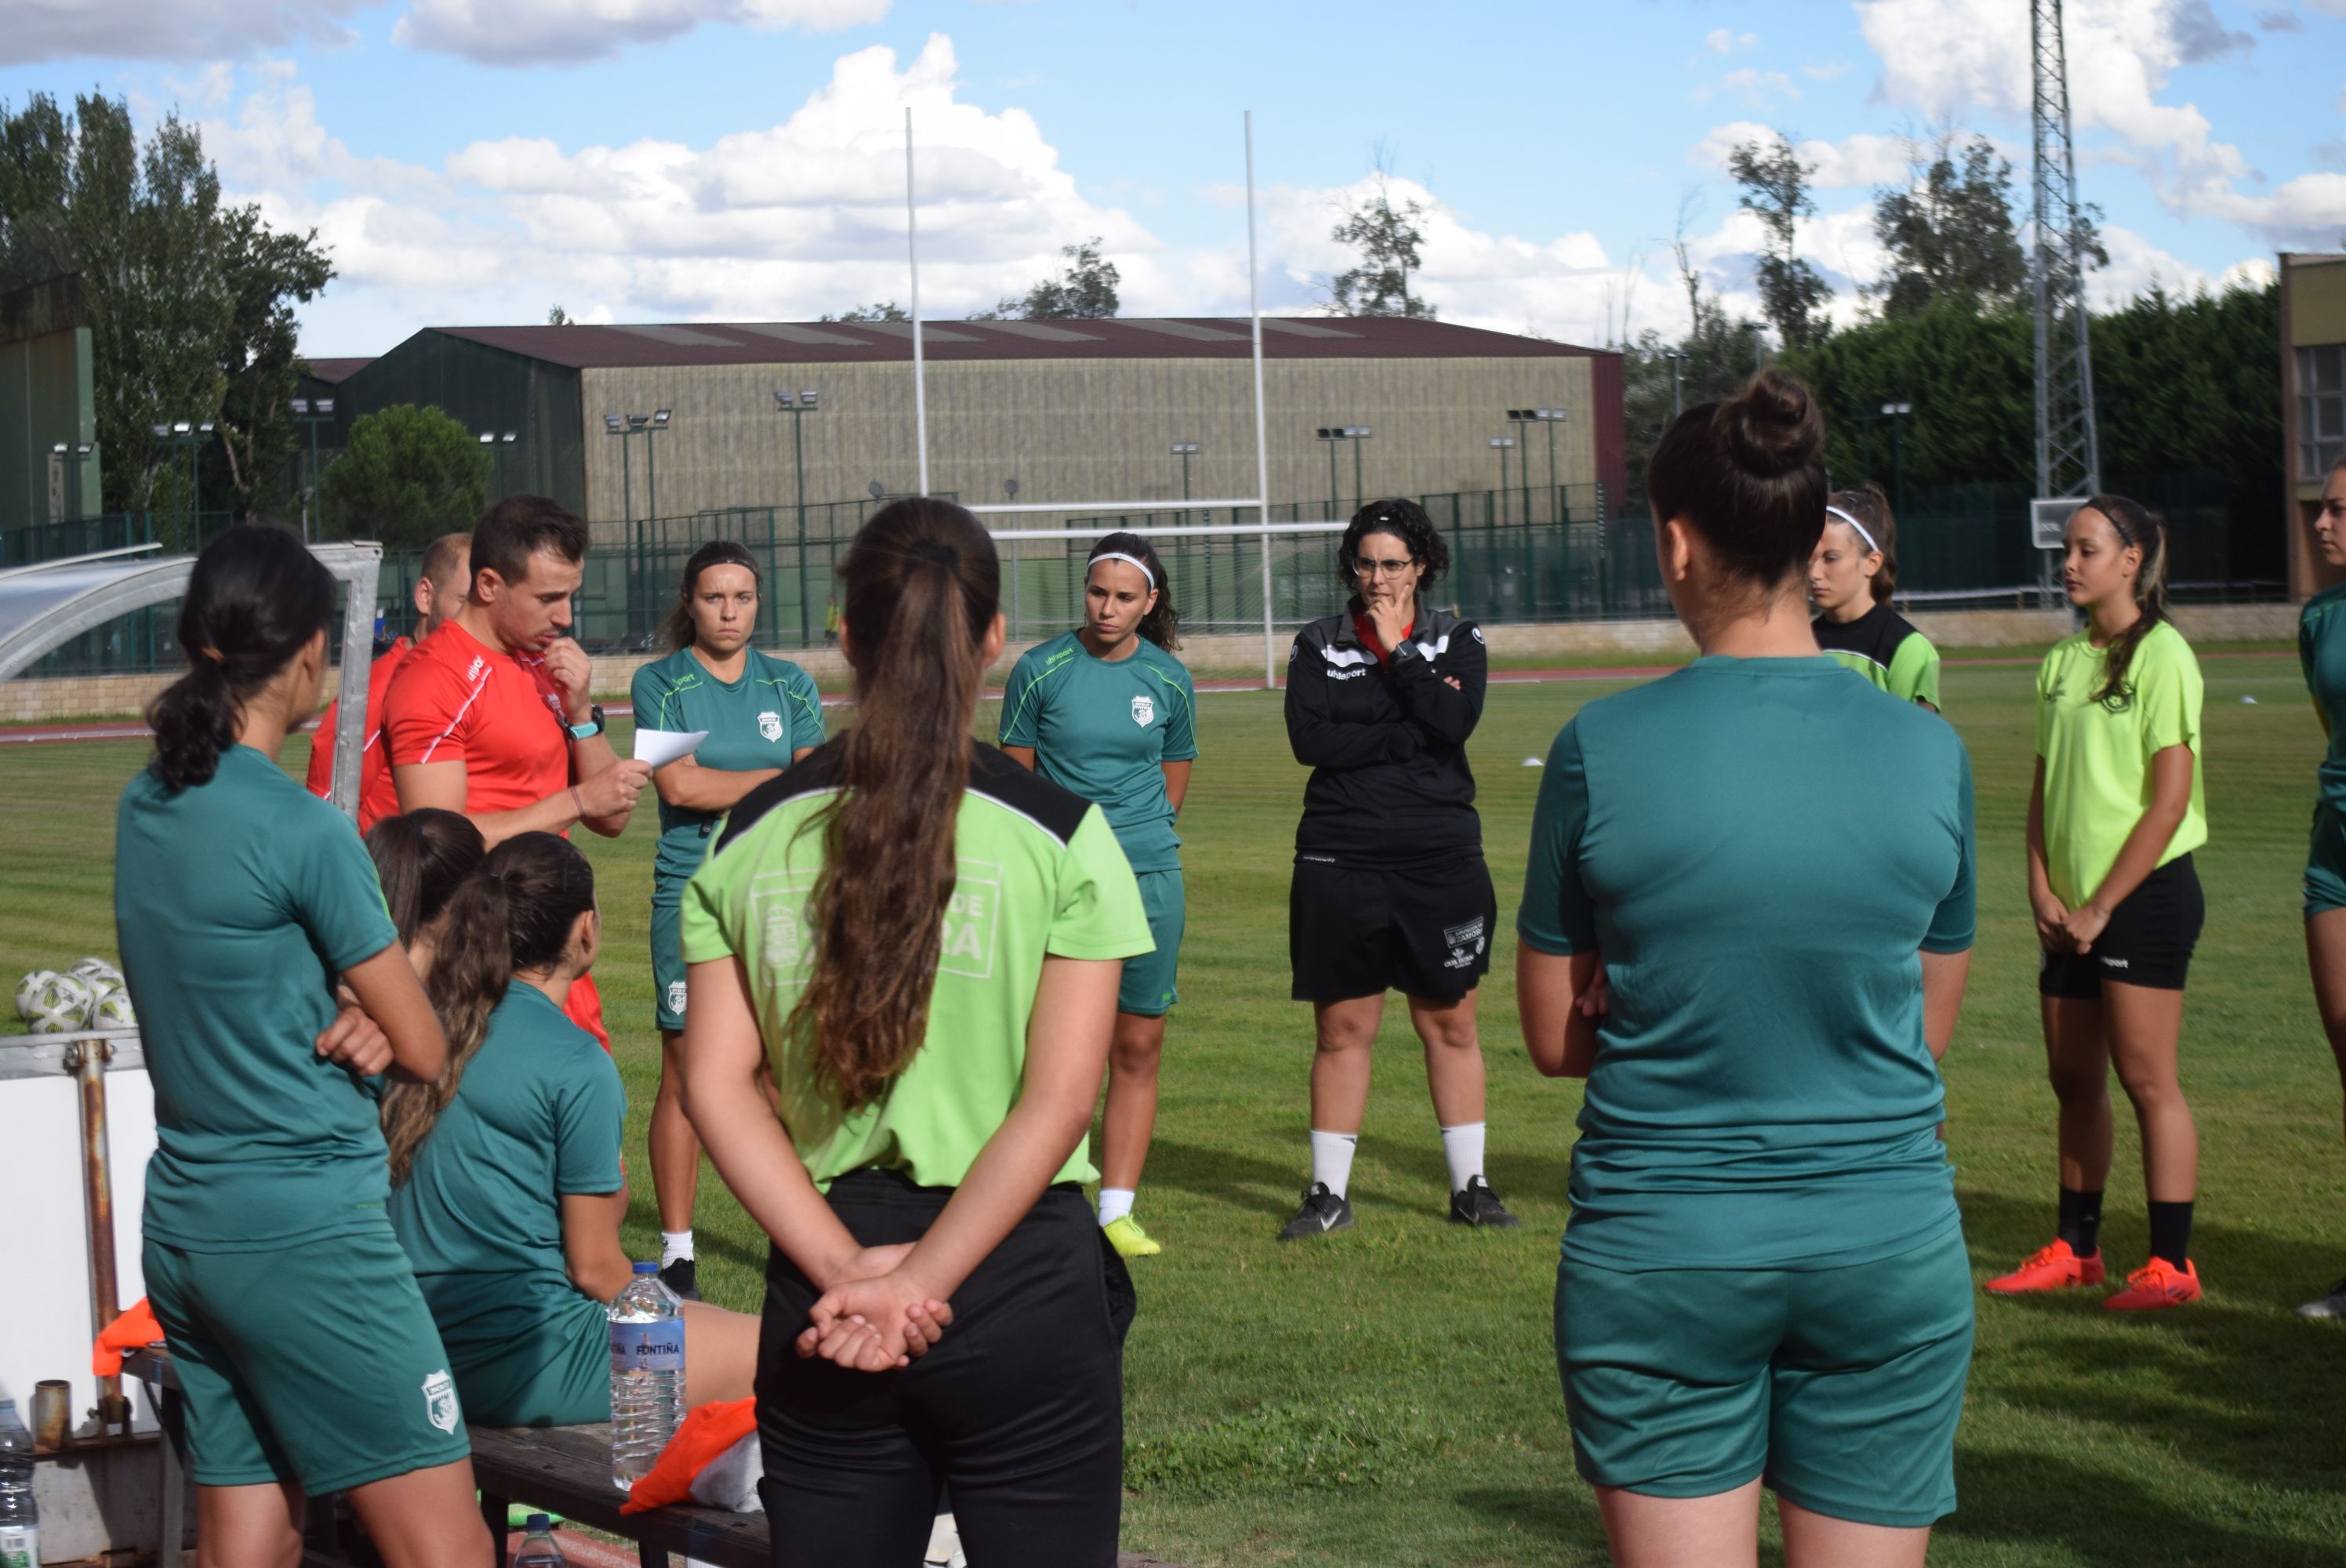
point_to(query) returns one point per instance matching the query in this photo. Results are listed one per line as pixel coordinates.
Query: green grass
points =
(1390, 1396)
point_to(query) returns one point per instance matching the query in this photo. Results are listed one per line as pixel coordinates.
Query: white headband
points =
(1120, 555)
(1870, 544)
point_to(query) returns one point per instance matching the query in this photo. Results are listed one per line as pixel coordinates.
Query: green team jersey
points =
(761, 720)
(1762, 1095)
(237, 904)
(1105, 728)
(1041, 874)
(539, 1112)
(1883, 646)
(2097, 755)
(2322, 652)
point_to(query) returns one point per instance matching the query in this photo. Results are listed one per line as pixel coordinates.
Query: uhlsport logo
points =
(1143, 712)
(675, 996)
(769, 725)
(439, 1400)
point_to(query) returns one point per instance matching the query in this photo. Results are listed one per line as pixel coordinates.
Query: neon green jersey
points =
(2097, 754)
(1883, 646)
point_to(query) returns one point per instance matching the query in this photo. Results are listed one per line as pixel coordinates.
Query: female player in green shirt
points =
(1107, 711)
(506, 1189)
(1851, 577)
(1763, 1279)
(2116, 811)
(762, 714)
(927, 940)
(2321, 650)
(307, 1360)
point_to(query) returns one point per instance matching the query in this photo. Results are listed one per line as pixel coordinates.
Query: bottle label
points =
(20, 1546)
(646, 1346)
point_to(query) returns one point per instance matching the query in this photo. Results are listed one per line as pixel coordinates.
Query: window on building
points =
(2320, 408)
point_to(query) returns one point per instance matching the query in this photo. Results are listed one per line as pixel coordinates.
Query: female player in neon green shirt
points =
(2321, 649)
(2115, 813)
(762, 714)
(1851, 577)
(1108, 712)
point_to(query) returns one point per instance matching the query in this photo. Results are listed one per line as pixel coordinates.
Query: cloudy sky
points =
(475, 161)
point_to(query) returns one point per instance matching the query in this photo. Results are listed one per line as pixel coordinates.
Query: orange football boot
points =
(2157, 1284)
(2054, 1268)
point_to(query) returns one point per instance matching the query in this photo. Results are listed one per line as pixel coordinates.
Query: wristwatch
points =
(592, 728)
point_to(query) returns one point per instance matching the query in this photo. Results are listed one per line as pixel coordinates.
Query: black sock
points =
(2170, 1232)
(2081, 1221)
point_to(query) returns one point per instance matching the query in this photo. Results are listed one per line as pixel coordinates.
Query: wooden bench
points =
(566, 1471)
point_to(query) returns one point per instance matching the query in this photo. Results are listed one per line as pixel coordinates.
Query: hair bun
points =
(1771, 427)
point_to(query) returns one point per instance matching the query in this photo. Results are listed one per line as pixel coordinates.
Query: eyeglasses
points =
(1367, 568)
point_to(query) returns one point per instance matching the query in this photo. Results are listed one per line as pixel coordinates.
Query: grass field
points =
(1390, 1396)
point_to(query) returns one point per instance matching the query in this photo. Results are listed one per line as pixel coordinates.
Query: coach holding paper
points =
(1390, 890)
(1763, 1279)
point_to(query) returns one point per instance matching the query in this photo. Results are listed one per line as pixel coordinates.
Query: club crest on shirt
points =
(1143, 712)
(675, 996)
(769, 725)
(439, 1400)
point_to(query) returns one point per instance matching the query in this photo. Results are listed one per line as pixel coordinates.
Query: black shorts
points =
(2148, 941)
(1424, 930)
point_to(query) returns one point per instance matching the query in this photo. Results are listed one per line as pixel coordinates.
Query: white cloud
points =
(1830, 71)
(564, 32)
(37, 30)
(1752, 87)
(1861, 161)
(1727, 41)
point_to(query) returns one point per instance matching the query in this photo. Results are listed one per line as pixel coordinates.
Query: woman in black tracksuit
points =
(1390, 891)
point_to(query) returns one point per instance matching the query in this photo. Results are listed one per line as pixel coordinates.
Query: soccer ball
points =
(97, 974)
(114, 1010)
(54, 1004)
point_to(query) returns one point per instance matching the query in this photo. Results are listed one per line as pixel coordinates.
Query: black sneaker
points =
(1322, 1212)
(1476, 1204)
(678, 1276)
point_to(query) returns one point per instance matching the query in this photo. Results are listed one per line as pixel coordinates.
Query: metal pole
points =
(1360, 486)
(651, 474)
(310, 500)
(87, 1059)
(1555, 491)
(626, 477)
(920, 372)
(1335, 503)
(1502, 485)
(1898, 459)
(1261, 436)
(797, 448)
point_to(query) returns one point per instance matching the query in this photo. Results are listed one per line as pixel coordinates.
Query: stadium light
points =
(180, 427)
(510, 435)
(807, 397)
(1502, 444)
(323, 404)
(659, 418)
(614, 425)
(299, 406)
(782, 399)
(875, 490)
(637, 421)
(487, 438)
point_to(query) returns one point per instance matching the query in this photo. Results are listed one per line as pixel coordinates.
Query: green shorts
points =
(1148, 990)
(524, 1356)
(1841, 1387)
(667, 964)
(2325, 861)
(316, 1363)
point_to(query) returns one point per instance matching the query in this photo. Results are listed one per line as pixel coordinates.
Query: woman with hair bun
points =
(1763, 1279)
(1107, 711)
(1851, 577)
(2117, 808)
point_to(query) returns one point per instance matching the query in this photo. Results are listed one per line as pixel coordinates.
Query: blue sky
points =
(473, 161)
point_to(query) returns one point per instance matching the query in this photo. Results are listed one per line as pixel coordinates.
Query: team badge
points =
(439, 1400)
(1143, 712)
(769, 725)
(675, 996)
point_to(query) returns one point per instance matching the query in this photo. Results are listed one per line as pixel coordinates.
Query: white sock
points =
(1331, 1159)
(1463, 1148)
(674, 1244)
(1115, 1202)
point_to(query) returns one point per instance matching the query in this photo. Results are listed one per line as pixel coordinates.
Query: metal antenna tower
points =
(2068, 449)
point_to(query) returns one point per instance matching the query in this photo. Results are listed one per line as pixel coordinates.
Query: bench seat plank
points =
(567, 1470)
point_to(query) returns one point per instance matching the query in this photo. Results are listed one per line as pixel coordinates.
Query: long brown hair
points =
(2137, 527)
(1161, 625)
(254, 600)
(513, 913)
(1870, 507)
(922, 584)
(1749, 475)
(677, 630)
(422, 859)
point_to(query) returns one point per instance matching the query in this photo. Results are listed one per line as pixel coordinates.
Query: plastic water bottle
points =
(538, 1547)
(646, 1374)
(20, 1521)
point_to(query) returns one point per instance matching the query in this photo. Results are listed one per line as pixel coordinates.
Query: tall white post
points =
(920, 369)
(1261, 442)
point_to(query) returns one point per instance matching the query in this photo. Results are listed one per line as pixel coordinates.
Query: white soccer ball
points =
(93, 971)
(114, 1010)
(29, 991)
(54, 1004)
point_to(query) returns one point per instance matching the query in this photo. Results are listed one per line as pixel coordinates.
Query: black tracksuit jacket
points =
(1386, 743)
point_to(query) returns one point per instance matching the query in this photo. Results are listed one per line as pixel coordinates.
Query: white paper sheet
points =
(661, 747)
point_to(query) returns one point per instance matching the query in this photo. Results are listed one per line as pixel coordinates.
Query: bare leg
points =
(675, 1147)
(2077, 1053)
(1454, 1057)
(1814, 1541)
(2146, 1030)
(2325, 952)
(1339, 1067)
(720, 1353)
(425, 1519)
(249, 1526)
(1130, 1118)
(1717, 1531)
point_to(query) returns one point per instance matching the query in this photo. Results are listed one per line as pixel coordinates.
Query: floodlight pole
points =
(912, 254)
(1261, 436)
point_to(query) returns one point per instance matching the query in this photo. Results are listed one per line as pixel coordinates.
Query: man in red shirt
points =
(490, 714)
(439, 589)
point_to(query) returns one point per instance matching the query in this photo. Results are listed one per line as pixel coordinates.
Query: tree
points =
(886, 310)
(1950, 233)
(1390, 244)
(1085, 291)
(408, 475)
(1776, 189)
(556, 316)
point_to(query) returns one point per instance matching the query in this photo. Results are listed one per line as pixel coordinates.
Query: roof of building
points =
(1127, 337)
(334, 371)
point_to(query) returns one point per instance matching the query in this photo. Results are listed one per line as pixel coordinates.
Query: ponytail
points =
(422, 859)
(512, 915)
(1162, 623)
(922, 584)
(254, 600)
(2139, 528)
